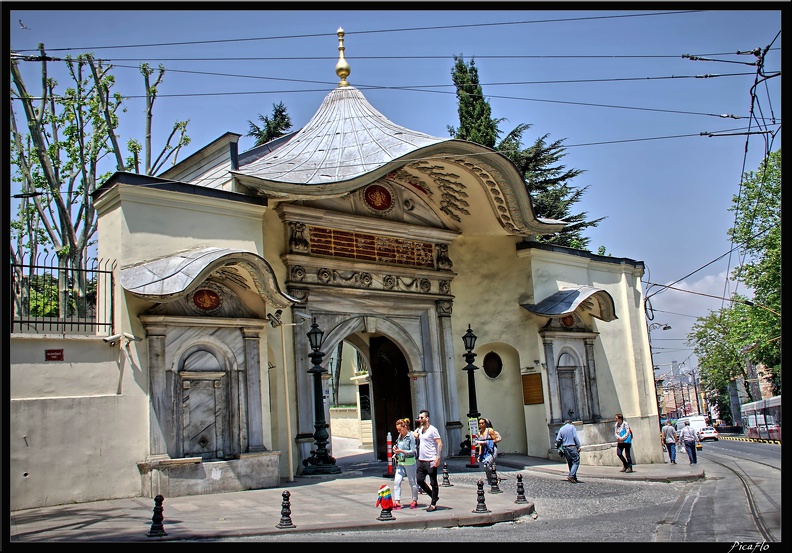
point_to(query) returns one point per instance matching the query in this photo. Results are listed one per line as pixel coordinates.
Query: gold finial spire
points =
(342, 67)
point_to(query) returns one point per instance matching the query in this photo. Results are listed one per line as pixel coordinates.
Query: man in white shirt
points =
(430, 451)
(689, 437)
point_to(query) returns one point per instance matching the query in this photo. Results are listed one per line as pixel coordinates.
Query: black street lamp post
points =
(469, 339)
(320, 461)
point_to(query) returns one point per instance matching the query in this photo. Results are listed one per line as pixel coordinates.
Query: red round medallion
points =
(378, 197)
(206, 299)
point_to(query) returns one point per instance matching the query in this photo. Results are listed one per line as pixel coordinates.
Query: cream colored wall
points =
(491, 284)
(271, 230)
(493, 280)
(91, 412)
(156, 223)
(625, 377)
(77, 427)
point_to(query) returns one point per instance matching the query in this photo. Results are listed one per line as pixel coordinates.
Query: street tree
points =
(273, 126)
(63, 147)
(717, 342)
(547, 180)
(748, 329)
(757, 233)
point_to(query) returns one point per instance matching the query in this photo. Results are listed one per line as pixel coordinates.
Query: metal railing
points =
(47, 297)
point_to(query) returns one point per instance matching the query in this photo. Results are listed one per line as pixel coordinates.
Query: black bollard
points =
(494, 488)
(386, 514)
(285, 521)
(445, 482)
(157, 529)
(520, 491)
(481, 507)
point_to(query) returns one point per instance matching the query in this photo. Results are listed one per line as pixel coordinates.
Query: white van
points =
(697, 422)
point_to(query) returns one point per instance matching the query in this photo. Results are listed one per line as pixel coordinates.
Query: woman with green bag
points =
(405, 452)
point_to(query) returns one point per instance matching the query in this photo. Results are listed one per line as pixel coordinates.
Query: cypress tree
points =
(546, 179)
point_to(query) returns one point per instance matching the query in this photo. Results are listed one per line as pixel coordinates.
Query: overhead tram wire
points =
(368, 87)
(425, 57)
(760, 55)
(378, 31)
(408, 87)
(664, 287)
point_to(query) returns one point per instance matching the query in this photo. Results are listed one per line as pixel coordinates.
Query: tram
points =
(762, 419)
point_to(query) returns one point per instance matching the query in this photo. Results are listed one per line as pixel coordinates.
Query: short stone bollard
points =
(446, 482)
(481, 506)
(157, 529)
(285, 521)
(520, 491)
(494, 488)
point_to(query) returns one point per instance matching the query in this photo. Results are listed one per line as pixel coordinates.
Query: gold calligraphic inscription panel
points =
(369, 247)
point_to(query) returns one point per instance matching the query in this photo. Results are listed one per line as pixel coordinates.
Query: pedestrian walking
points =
(485, 444)
(430, 451)
(568, 439)
(689, 438)
(496, 437)
(669, 438)
(624, 442)
(406, 454)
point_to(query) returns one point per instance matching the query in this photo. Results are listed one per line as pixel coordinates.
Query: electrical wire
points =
(477, 25)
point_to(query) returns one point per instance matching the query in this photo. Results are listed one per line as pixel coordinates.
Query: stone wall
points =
(344, 422)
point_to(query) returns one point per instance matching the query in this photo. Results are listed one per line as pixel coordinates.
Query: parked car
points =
(708, 433)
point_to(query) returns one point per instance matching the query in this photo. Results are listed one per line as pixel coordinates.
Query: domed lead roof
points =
(346, 138)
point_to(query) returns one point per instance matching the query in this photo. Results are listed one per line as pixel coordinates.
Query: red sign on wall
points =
(53, 354)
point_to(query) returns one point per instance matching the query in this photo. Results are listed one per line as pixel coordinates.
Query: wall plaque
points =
(532, 389)
(53, 354)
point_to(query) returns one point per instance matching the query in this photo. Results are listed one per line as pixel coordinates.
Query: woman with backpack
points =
(496, 437)
(485, 443)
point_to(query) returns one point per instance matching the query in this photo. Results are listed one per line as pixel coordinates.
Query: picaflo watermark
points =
(741, 546)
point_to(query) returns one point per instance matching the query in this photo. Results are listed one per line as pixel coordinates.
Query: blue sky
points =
(614, 82)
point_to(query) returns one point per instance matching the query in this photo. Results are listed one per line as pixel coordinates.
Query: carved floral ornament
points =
(453, 196)
(362, 279)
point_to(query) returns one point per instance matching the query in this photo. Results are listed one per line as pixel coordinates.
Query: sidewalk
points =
(315, 503)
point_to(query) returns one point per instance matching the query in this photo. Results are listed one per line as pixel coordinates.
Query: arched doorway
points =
(390, 390)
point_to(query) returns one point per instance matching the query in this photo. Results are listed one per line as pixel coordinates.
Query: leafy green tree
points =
(273, 126)
(546, 179)
(59, 152)
(757, 232)
(717, 343)
(748, 329)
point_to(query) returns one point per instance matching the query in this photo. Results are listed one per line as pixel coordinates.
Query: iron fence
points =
(50, 297)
